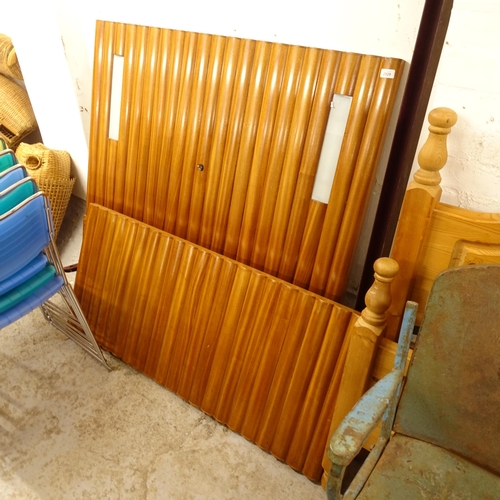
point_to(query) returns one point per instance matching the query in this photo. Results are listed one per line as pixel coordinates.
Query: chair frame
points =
(378, 404)
(69, 320)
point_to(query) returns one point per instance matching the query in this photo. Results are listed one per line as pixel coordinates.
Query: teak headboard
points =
(219, 142)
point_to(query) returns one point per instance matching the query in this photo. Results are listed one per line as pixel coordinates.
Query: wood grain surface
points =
(219, 142)
(255, 352)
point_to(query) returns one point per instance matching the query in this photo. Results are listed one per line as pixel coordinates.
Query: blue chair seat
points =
(31, 302)
(35, 266)
(23, 237)
(16, 194)
(11, 176)
(28, 287)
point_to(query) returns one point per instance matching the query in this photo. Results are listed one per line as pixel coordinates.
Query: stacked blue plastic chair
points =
(31, 271)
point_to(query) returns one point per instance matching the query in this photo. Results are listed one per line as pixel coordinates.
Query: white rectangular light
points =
(116, 97)
(330, 151)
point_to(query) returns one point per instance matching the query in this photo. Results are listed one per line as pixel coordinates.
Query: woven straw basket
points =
(17, 119)
(8, 58)
(51, 170)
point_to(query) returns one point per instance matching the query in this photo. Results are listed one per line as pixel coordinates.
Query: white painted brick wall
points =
(468, 81)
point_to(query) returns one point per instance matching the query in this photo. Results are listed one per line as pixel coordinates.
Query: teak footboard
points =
(260, 355)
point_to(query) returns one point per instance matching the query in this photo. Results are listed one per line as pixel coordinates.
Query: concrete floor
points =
(69, 429)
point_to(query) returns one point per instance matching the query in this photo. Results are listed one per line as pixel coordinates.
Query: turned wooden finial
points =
(378, 297)
(434, 154)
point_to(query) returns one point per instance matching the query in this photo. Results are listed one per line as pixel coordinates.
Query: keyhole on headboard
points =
(200, 167)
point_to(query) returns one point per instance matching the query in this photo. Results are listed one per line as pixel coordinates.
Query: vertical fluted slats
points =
(313, 463)
(181, 126)
(254, 352)
(218, 143)
(197, 198)
(193, 127)
(219, 324)
(156, 173)
(305, 181)
(282, 130)
(147, 68)
(137, 76)
(196, 346)
(253, 114)
(110, 274)
(149, 129)
(284, 370)
(266, 367)
(170, 274)
(215, 377)
(257, 337)
(251, 311)
(293, 158)
(262, 149)
(375, 128)
(192, 306)
(232, 144)
(152, 310)
(343, 176)
(246, 148)
(124, 42)
(308, 250)
(300, 379)
(320, 381)
(101, 90)
(139, 317)
(171, 57)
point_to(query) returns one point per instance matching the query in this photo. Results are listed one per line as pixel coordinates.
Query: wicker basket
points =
(8, 58)
(17, 119)
(58, 192)
(44, 163)
(51, 170)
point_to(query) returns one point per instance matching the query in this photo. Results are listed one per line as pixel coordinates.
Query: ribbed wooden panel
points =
(257, 353)
(254, 115)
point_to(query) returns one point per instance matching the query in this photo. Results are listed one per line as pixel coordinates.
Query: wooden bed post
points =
(362, 345)
(421, 197)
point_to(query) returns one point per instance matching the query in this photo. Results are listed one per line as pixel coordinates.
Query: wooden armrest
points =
(349, 437)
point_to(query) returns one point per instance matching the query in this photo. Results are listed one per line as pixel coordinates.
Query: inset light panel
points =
(116, 97)
(330, 150)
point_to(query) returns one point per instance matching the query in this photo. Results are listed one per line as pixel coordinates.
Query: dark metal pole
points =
(428, 46)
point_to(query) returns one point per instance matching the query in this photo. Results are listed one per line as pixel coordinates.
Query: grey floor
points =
(69, 429)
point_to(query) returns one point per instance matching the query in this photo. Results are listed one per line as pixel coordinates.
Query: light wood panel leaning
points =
(219, 142)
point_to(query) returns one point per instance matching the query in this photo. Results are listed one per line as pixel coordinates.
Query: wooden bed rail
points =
(421, 198)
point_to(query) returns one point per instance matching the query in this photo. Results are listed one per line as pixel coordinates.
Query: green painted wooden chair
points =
(444, 442)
